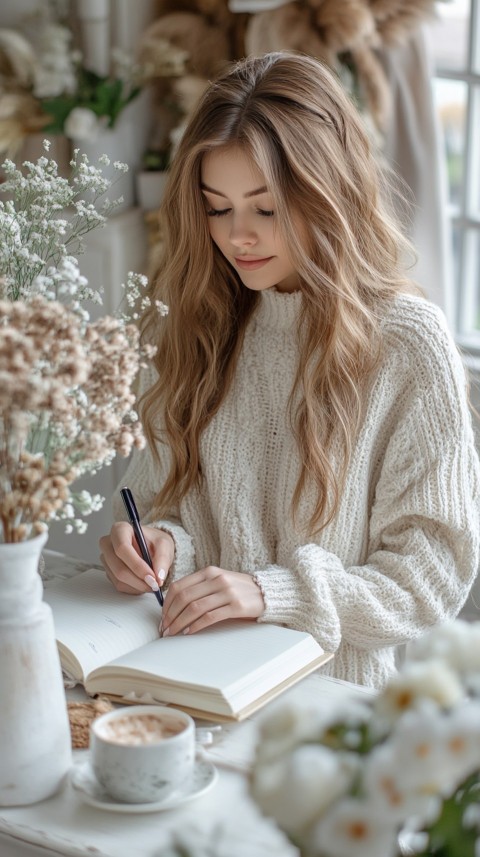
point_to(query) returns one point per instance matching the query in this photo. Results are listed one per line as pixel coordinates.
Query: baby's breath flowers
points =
(67, 405)
(43, 224)
(398, 771)
(136, 300)
(66, 409)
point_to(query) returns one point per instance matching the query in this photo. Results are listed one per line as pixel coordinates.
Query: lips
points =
(251, 264)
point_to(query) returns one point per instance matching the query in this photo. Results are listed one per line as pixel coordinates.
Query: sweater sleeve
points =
(145, 476)
(423, 526)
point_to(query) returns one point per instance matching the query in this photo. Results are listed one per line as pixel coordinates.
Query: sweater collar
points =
(279, 310)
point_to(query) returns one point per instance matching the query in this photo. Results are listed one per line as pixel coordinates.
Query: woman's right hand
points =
(124, 565)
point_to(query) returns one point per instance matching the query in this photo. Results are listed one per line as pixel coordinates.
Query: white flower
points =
(418, 744)
(10, 229)
(433, 680)
(82, 124)
(54, 72)
(385, 788)
(416, 747)
(123, 64)
(162, 308)
(471, 816)
(457, 643)
(286, 727)
(353, 828)
(462, 740)
(297, 788)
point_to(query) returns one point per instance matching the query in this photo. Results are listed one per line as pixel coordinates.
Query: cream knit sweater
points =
(403, 549)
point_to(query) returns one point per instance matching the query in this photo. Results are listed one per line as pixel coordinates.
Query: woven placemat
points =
(81, 715)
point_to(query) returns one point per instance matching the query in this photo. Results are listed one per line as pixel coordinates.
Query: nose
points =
(241, 232)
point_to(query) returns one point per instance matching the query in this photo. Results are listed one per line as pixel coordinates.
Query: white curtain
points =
(413, 146)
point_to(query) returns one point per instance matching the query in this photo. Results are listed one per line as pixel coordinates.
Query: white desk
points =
(65, 825)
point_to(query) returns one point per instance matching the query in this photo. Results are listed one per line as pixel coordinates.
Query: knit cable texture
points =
(403, 550)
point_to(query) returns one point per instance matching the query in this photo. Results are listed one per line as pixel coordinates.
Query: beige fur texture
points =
(206, 45)
(326, 29)
(288, 27)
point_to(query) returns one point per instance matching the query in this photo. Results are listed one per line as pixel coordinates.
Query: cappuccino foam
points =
(138, 729)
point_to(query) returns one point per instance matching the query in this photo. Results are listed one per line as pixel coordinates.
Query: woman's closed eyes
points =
(220, 212)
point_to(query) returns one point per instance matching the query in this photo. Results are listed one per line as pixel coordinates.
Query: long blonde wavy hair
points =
(291, 116)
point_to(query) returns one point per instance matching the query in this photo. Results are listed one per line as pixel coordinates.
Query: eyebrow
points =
(256, 192)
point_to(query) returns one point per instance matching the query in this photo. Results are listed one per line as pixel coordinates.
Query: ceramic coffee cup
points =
(142, 753)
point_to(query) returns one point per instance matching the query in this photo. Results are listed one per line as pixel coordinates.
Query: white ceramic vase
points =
(35, 743)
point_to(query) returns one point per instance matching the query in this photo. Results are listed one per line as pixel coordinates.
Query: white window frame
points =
(466, 218)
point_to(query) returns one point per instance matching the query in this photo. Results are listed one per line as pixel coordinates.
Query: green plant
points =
(104, 96)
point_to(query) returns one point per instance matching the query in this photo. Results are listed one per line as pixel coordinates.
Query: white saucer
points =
(84, 781)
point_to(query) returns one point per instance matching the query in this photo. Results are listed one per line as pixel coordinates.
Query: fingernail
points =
(166, 633)
(161, 575)
(149, 578)
(186, 630)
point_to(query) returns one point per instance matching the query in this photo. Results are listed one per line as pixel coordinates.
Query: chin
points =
(258, 287)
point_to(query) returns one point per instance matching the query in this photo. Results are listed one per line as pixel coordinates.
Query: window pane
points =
(473, 199)
(457, 236)
(475, 22)
(470, 309)
(449, 34)
(451, 102)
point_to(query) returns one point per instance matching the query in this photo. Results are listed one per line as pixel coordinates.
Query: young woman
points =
(311, 460)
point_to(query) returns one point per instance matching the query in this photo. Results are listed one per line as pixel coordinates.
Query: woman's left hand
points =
(208, 596)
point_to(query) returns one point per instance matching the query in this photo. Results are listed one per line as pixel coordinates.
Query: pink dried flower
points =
(65, 406)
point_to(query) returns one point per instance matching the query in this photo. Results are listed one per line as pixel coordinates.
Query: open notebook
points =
(109, 643)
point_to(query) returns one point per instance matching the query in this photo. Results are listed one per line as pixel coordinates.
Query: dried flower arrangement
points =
(347, 35)
(66, 408)
(67, 403)
(396, 774)
(45, 86)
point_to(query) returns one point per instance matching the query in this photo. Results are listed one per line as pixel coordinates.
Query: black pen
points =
(134, 519)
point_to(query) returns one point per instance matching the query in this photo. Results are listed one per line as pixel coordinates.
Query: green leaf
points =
(448, 837)
(104, 96)
(58, 109)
